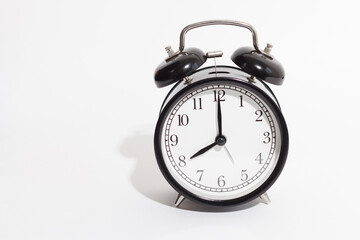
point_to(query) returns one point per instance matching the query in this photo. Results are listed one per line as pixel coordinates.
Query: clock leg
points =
(179, 200)
(265, 198)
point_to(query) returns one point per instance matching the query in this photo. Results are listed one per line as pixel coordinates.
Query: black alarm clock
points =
(221, 138)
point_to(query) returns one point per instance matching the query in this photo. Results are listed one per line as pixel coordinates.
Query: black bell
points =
(258, 65)
(178, 67)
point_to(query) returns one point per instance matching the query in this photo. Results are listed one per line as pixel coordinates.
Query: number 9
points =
(174, 140)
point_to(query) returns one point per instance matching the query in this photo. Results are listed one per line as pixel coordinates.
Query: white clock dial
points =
(220, 141)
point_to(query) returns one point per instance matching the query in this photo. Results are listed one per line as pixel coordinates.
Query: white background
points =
(78, 107)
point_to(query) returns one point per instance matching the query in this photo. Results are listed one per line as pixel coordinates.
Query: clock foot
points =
(265, 198)
(179, 200)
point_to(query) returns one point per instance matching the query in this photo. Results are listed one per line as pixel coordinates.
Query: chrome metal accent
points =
(169, 51)
(214, 54)
(268, 48)
(251, 79)
(179, 200)
(220, 22)
(215, 66)
(265, 198)
(187, 80)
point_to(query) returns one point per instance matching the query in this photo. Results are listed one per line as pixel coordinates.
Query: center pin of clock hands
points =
(220, 139)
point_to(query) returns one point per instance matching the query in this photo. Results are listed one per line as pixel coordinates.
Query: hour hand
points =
(203, 150)
(219, 140)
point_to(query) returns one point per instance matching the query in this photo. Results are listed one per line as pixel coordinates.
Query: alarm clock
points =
(221, 138)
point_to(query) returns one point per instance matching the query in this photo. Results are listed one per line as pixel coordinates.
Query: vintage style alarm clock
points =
(221, 138)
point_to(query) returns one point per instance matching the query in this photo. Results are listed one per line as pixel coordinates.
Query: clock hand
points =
(203, 150)
(228, 152)
(219, 140)
(219, 118)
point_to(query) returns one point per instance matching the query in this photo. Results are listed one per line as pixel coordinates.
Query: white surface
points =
(220, 173)
(78, 107)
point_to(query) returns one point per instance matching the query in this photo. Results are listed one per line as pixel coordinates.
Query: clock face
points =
(220, 141)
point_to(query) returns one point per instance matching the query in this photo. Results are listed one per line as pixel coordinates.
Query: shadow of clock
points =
(148, 180)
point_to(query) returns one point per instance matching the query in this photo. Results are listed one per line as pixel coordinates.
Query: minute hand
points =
(219, 118)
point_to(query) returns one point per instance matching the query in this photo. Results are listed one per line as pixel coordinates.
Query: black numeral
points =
(182, 162)
(221, 181)
(197, 103)
(258, 113)
(183, 120)
(174, 140)
(241, 101)
(219, 95)
(244, 175)
(201, 172)
(259, 159)
(267, 137)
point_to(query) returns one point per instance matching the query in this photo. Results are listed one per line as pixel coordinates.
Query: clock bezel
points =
(257, 91)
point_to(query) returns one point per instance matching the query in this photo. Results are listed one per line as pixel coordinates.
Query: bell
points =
(177, 67)
(258, 65)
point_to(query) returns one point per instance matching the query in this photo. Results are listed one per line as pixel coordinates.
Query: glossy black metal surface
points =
(255, 64)
(175, 69)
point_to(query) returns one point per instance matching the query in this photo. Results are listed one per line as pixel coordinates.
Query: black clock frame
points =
(273, 105)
